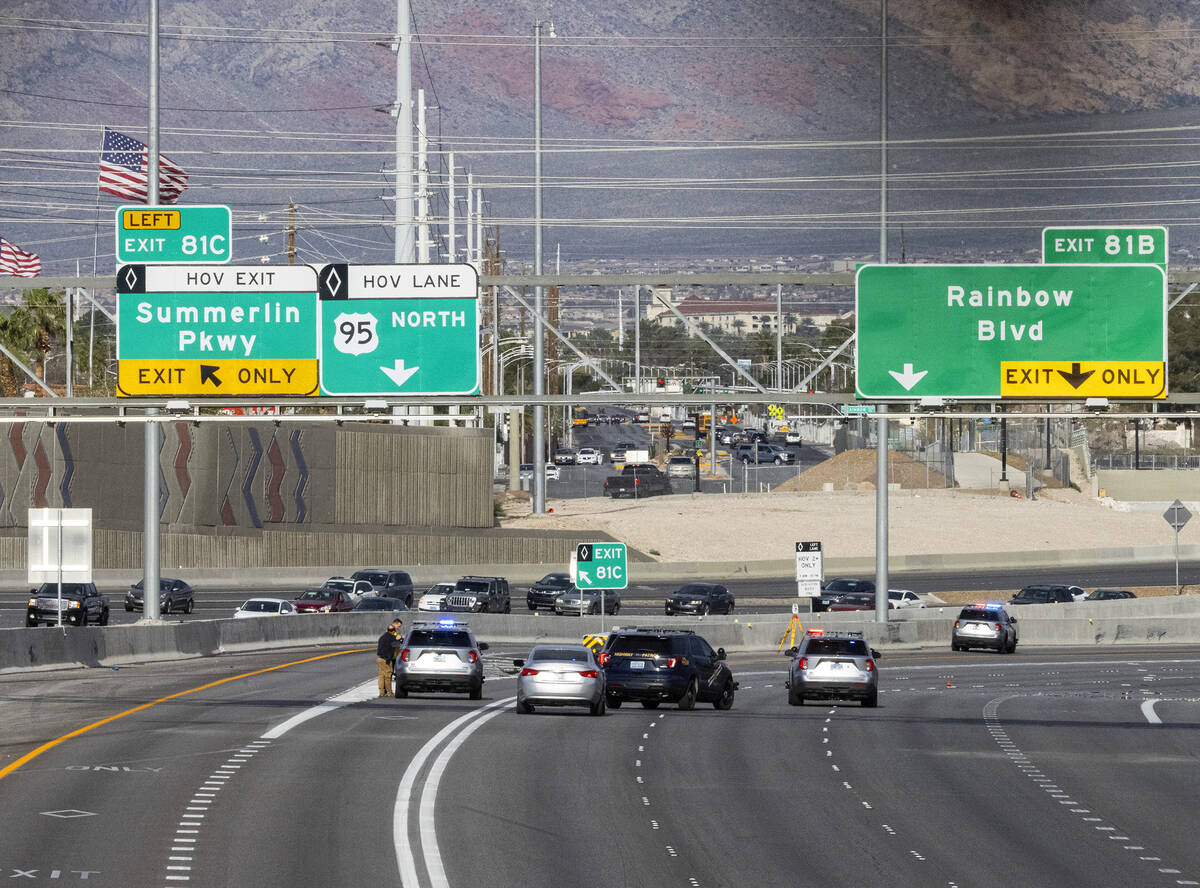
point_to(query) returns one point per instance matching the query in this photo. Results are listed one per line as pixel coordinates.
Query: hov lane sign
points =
(809, 569)
(399, 329)
(146, 235)
(600, 566)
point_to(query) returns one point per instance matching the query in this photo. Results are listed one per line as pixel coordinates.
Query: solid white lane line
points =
(405, 858)
(368, 690)
(1148, 711)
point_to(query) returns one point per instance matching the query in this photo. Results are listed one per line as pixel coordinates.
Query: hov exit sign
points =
(600, 566)
(147, 235)
(1119, 243)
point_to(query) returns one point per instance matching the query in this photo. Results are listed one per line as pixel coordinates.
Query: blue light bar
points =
(447, 622)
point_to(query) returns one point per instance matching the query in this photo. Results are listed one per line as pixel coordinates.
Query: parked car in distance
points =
(560, 675)
(380, 603)
(835, 589)
(387, 581)
(1109, 595)
(432, 598)
(589, 456)
(576, 602)
(637, 480)
(833, 666)
(856, 601)
(545, 591)
(564, 456)
(905, 598)
(984, 624)
(681, 467)
(700, 599)
(325, 600)
(1052, 593)
(440, 655)
(173, 595)
(479, 595)
(82, 603)
(357, 588)
(264, 607)
(552, 472)
(763, 453)
(654, 665)
(642, 416)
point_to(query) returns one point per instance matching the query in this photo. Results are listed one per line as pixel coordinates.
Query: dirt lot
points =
(687, 527)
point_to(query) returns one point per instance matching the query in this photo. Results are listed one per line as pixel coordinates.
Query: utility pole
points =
(779, 336)
(469, 253)
(422, 182)
(291, 249)
(404, 251)
(450, 209)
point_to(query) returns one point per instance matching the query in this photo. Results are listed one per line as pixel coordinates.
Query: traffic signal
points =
(661, 382)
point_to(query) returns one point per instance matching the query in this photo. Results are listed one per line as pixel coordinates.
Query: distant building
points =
(743, 315)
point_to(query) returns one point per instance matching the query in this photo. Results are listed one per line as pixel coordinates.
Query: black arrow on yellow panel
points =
(1075, 378)
(208, 373)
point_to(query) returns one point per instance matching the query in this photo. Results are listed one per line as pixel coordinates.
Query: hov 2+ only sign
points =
(987, 332)
(147, 235)
(216, 330)
(809, 569)
(600, 566)
(399, 329)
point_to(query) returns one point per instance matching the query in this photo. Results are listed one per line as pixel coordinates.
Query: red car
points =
(324, 600)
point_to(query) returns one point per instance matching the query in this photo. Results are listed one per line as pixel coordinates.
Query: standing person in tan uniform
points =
(385, 656)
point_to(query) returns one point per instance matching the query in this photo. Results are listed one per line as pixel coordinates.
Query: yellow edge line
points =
(30, 756)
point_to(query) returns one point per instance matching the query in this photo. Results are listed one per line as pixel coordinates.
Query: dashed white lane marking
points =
(672, 851)
(888, 830)
(694, 883)
(1148, 711)
(654, 824)
(1000, 736)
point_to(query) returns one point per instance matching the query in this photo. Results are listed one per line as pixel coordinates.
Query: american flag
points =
(15, 261)
(125, 170)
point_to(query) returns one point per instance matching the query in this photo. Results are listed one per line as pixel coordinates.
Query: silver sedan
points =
(569, 603)
(560, 675)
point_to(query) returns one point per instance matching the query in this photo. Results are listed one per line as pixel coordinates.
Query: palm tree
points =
(29, 331)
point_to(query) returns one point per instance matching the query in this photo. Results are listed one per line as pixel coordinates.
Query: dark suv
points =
(1048, 594)
(653, 665)
(699, 598)
(388, 583)
(479, 595)
(82, 603)
(545, 591)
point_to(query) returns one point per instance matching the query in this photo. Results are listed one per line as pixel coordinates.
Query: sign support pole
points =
(881, 515)
(150, 609)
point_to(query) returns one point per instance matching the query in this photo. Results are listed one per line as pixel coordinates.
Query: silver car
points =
(440, 655)
(577, 602)
(560, 675)
(833, 667)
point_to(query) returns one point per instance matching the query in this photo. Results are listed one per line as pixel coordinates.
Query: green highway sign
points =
(987, 332)
(600, 566)
(1114, 244)
(848, 409)
(398, 329)
(194, 330)
(201, 234)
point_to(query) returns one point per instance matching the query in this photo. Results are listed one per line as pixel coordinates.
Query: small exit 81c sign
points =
(1089, 246)
(154, 235)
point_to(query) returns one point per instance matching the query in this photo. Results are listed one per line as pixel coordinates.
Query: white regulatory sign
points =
(809, 569)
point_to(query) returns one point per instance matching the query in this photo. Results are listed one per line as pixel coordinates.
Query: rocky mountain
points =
(672, 128)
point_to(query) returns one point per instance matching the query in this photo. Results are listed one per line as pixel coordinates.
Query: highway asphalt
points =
(1044, 768)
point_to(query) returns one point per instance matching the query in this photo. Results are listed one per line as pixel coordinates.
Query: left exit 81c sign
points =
(151, 235)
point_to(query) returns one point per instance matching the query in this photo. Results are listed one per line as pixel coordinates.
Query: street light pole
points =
(539, 335)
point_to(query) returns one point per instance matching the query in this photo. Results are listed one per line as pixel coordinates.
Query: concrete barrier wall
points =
(1151, 621)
